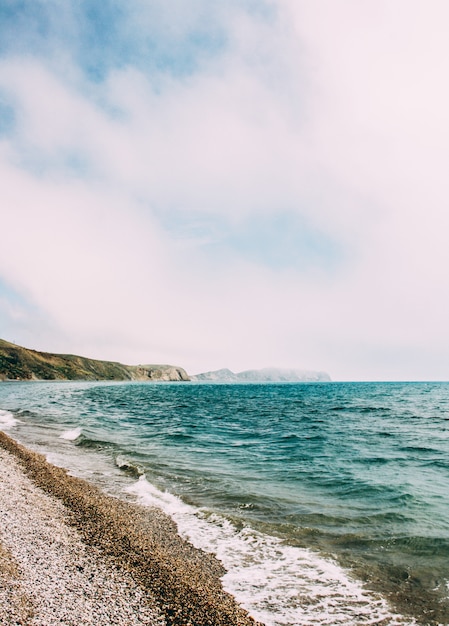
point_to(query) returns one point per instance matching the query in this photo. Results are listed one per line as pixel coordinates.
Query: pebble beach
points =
(71, 555)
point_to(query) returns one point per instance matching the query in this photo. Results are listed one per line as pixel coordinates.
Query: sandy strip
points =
(72, 555)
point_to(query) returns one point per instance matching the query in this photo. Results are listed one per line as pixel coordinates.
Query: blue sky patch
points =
(7, 116)
(101, 36)
(279, 241)
(15, 310)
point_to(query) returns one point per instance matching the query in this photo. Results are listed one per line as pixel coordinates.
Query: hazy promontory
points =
(265, 375)
(18, 363)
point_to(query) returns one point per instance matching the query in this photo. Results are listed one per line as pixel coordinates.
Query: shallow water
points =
(328, 503)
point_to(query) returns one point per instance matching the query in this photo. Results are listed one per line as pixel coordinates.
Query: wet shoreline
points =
(181, 581)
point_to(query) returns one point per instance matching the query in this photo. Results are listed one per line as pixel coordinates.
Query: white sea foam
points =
(279, 585)
(71, 435)
(7, 420)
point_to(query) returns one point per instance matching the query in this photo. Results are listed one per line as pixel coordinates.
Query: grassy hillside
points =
(17, 363)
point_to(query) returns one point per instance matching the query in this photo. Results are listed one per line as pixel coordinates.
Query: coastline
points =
(101, 560)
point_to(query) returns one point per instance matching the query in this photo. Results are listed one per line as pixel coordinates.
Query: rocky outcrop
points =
(18, 363)
(222, 376)
(265, 375)
(158, 372)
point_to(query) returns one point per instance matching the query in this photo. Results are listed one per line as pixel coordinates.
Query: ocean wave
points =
(420, 449)
(94, 444)
(71, 435)
(128, 466)
(279, 585)
(7, 420)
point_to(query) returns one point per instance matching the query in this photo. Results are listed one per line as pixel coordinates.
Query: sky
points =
(238, 184)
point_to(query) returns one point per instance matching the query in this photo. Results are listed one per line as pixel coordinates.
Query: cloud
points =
(250, 185)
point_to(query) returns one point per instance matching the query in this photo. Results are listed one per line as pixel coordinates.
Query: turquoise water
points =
(328, 503)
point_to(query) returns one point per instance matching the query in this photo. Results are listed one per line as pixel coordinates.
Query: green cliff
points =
(17, 363)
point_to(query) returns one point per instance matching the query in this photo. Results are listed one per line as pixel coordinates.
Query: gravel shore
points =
(71, 555)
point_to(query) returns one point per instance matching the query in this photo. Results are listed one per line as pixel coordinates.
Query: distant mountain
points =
(223, 375)
(265, 375)
(17, 363)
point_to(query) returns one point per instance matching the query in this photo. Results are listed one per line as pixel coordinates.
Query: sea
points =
(327, 503)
